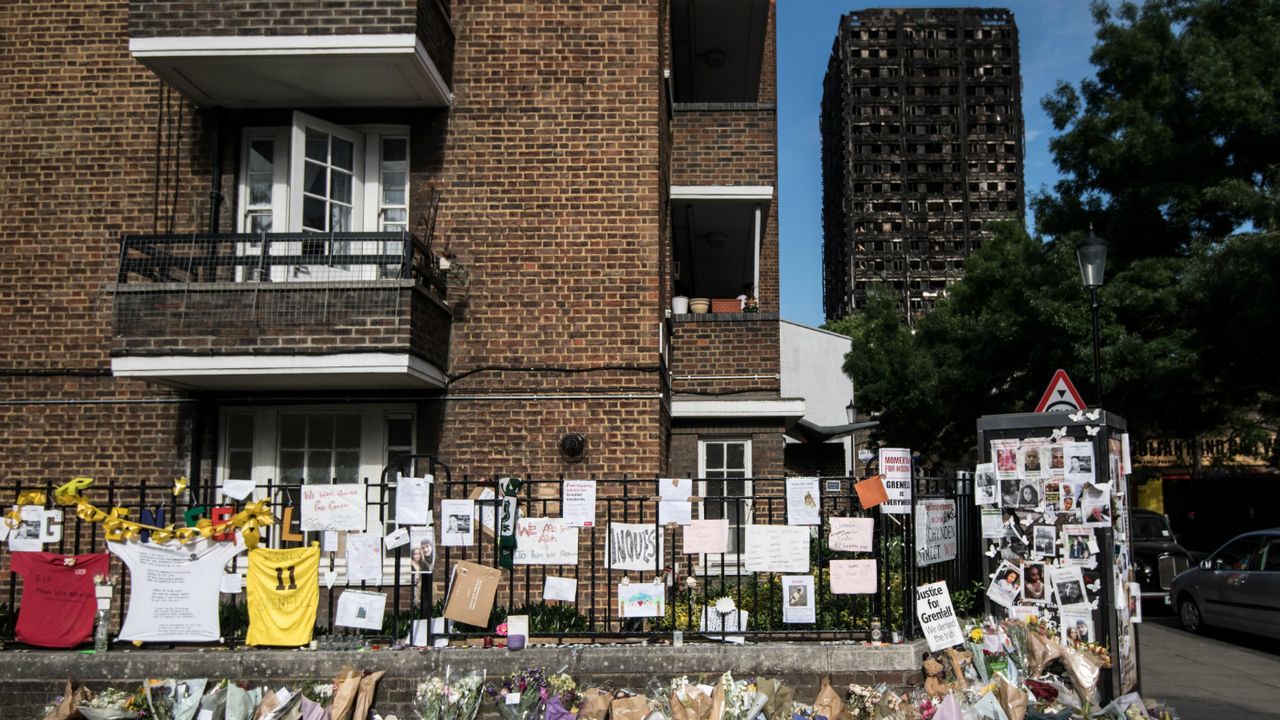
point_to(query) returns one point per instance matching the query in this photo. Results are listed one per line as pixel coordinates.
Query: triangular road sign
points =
(1060, 396)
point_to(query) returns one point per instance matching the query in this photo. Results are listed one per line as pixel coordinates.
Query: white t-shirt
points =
(173, 594)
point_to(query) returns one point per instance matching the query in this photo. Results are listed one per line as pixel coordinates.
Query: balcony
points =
(717, 233)
(298, 53)
(280, 311)
(718, 49)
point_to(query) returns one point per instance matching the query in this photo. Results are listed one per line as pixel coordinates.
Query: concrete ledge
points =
(32, 678)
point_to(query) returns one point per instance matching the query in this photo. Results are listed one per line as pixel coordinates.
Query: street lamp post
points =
(1091, 252)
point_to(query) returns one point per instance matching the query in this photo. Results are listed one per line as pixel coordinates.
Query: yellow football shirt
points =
(283, 589)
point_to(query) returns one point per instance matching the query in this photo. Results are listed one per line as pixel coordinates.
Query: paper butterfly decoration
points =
(1076, 416)
(1059, 433)
(1094, 415)
(1093, 429)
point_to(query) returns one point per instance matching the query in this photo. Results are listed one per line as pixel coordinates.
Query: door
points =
(1223, 583)
(326, 196)
(1259, 593)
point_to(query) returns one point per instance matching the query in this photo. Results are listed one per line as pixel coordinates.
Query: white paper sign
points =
(707, 537)
(26, 536)
(417, 636)
(396, 538)
(992, 523)
(634, 547)
(895, 470)
(675, 488)
(853, 577)
(488, 511)
(578, 498)
(560, 588)
(231, 583)
(364, 558)
(458, 518)
(804, 498)
(642, 599)
(413, 500)
(851, 534)
(675, 512)
(333, 507)
(935, 531)
(985, 488)
(776, 548)
(237, 489)
(329, 541)
(360, 609)
(545, 541)
(797, 599)
(937, 616)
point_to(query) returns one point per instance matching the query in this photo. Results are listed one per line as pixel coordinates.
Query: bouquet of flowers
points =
(739, 699)
(562, 697)
(449, 698)
(318, 692)
(520, 695)
(113, 704)
(865, 703)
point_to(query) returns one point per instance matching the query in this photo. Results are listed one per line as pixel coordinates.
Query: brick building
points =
(295, 240)
(922, 145)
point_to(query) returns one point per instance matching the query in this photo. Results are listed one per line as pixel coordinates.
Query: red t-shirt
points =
(58, 603)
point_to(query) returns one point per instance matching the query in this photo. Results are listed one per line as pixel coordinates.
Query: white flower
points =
(725, 605)
(691, 581)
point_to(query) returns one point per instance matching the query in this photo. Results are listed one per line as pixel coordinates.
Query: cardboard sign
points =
(471, 592)
(895, 469)
(545, 541)
(333, 507)
(935, 531)
(937, 616)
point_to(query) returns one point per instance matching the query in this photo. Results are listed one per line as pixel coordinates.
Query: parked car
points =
(1157, 556)
(1237, 587)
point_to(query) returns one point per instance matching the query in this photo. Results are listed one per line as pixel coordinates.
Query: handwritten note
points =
(853, 577)
(634, 547)
(675, 512)
(560, 588)
(851, 534)
(776, 548)
(364, 558)
(333, 507)
(545, 541)
(706, 537)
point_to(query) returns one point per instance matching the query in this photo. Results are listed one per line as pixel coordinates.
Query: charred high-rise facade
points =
(922, 147)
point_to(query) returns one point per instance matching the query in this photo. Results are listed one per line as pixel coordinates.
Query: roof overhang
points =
(718, 49)
(347, 371)
(789, 409)
(806, 431)
(266, 71)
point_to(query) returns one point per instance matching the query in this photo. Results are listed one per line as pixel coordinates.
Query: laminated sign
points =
(895, 469)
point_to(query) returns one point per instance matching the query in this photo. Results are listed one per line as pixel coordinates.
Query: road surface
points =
(1218, 676)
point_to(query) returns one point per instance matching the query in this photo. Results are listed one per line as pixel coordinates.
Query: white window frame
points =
(713, 564)
(286, 193)
(266, 430)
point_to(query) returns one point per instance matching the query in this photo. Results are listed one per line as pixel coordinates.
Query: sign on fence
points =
(937, 616)
(333, 507)
(935, 531)
(895, 468)
(545, 541)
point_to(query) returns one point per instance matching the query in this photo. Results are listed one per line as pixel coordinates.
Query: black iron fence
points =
(691, 582)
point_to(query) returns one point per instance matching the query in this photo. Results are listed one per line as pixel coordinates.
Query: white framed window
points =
(317, 177)
(724, 464)
(313, 444)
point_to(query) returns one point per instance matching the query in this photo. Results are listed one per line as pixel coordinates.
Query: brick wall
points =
(282, 320)
(551, 202)
(720, 345)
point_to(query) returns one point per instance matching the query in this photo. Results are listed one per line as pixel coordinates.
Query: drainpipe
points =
(215, 174)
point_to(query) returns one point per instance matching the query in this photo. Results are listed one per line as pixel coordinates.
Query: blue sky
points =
(1056, 37)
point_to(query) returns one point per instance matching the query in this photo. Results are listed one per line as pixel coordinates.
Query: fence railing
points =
(691, 581)
(276, 257)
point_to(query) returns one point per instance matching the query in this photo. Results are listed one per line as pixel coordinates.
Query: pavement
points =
(1218, 676)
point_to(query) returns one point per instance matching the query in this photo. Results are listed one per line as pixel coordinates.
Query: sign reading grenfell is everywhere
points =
(895, 468)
